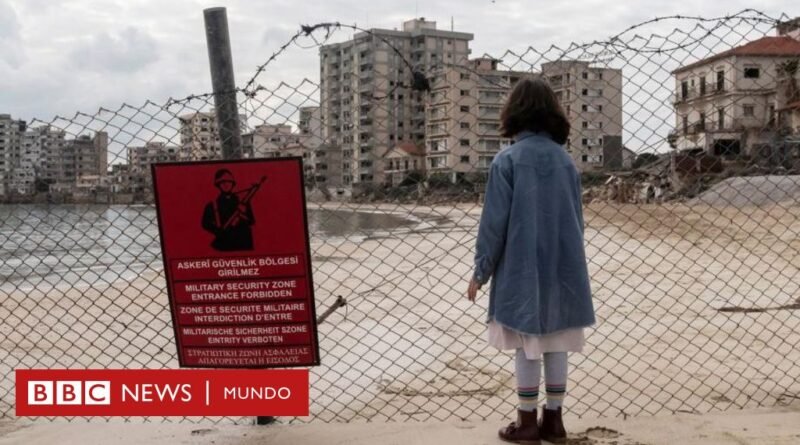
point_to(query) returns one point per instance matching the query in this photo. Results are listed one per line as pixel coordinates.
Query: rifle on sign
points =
(240, 214)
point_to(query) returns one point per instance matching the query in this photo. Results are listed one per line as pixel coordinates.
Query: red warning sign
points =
(234, 239)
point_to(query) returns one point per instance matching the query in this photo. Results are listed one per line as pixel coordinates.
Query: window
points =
(720, 80)
(437, 162)
(464, 76)
(592, 159)
(584, 75)
(748, 110)
(465, 109)
(464, 124)
(584, 107)
(685, 124)
(720, 118)
(465, 159)
(463, 142)
(584, 124)
(485, 161)
(751, 72)
(584, 92)
(465, 92)
(703, 85)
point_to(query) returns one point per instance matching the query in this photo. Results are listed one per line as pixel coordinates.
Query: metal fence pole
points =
(220, 61)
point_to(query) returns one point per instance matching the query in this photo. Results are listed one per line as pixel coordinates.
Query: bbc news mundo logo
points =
(164, 392)
(70, 392)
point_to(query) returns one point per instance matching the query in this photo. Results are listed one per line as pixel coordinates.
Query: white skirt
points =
(503, 337)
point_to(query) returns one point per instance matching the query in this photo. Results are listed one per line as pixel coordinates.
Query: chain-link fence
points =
(685, 129)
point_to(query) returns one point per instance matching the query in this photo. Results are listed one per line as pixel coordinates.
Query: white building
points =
(727, 104)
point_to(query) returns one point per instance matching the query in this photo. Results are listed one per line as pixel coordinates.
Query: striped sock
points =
(529, 375)
(555, 395)
(555, 378)
(528, 398)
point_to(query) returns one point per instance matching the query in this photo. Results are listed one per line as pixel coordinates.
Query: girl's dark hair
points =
(532, 105)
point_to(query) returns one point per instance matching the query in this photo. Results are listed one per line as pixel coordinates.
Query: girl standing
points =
(530, 241)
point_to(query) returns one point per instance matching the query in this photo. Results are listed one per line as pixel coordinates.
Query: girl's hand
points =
(472, 292)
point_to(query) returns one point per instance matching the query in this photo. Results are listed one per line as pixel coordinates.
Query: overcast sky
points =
(59, 57)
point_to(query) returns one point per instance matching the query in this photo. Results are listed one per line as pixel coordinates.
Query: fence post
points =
(220, 61)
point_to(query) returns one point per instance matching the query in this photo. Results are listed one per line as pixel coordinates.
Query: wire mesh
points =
(685, 129)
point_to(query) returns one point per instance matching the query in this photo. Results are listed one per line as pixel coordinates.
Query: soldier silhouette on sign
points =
(228, 217)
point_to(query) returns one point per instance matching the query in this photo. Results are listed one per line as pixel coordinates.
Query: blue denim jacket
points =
(530, 239)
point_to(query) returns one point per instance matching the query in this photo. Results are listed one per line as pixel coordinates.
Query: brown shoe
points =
(524, 431)
(552, 427)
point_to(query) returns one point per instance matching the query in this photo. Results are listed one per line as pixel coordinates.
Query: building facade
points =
(199, 135)
(367, 105)
(139, 160)
(727, 104)
(50, 143)
(404, 161)
(592, 100)
(325, 165)
(280, 141)
(11, 131)
(462, 132)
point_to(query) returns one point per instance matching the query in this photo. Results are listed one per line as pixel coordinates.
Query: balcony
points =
(438, 130)
(694, 93)
(437, 116)
(492, 115)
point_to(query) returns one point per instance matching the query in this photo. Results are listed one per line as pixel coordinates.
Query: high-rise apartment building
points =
(463, 116)
(367, 105)
(199, 136)
(11, 131)
(50, 143)
(139, 160)
(592, 99)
